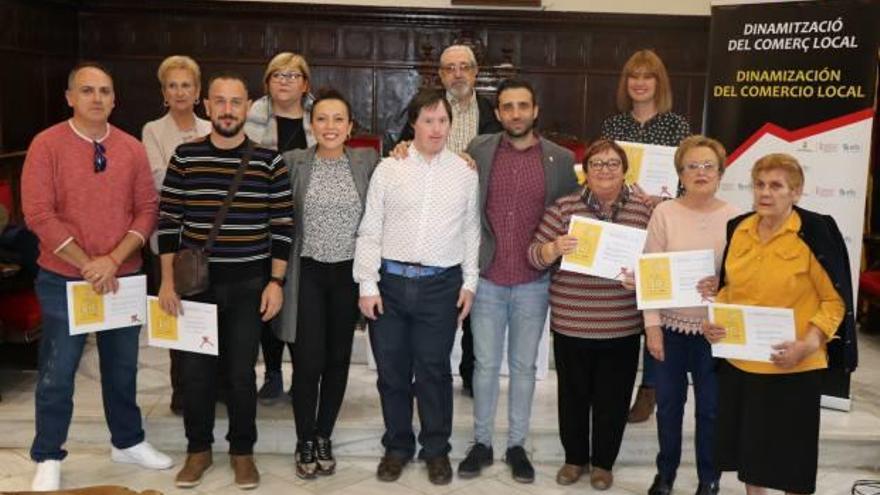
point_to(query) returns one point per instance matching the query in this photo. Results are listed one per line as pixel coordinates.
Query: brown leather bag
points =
(191, 263)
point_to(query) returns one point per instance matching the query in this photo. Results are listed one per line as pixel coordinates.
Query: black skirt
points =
(768, 427)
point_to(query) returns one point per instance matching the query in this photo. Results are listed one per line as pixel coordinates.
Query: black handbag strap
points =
(230, 195)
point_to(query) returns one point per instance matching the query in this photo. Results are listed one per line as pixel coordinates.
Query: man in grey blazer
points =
(520, 173)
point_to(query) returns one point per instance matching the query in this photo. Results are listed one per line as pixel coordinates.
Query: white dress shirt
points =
(419, 211)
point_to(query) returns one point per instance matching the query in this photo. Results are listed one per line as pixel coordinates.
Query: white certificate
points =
(604, 248)
(88, 311)
(669, 280)
(653, 167)
(194, 331)
(752, 331)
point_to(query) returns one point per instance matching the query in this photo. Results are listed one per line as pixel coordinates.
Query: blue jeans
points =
(684, 353)
(411, 342)
(59, 358)
(522, 309)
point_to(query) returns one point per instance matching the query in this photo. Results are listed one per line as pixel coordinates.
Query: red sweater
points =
(63, 198)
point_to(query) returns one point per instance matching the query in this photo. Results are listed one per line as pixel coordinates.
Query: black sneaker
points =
(306, 463)
(520, 467)
(478, 457)
(324, 452)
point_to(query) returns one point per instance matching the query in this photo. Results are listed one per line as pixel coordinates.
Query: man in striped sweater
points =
(248, 262)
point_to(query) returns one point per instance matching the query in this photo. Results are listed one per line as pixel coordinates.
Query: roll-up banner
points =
(798, 77)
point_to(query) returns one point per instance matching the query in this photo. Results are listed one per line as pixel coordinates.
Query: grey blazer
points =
(299, 163)
(559, 180)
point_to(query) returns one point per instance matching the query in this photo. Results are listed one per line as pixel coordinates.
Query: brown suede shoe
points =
(194, 468)
(601, 479)
(439, 470)
(390, 468)
(643, 407)
(246, 475)
(569, 474)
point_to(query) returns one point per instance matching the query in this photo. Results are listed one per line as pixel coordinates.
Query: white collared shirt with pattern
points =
(420, 211)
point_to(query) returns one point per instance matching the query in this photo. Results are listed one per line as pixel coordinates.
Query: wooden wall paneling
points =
(570, 50)
(601, 90)
(537, 50)
(561, 101)
(356, 84)
(394, 89)
(503, 47)
(285, 37)
(22, 99)
(322, 42)
(393, 45)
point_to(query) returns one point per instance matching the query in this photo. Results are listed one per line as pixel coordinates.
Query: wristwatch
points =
(278, 280)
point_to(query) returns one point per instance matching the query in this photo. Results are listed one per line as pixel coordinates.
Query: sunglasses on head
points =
(100, 158)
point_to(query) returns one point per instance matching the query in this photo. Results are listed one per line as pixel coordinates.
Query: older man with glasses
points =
(88, 195)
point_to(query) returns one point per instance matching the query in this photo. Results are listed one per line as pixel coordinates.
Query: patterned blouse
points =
(331, 212)
(664, 129)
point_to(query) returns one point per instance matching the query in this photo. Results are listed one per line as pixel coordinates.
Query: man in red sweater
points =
(88, 195)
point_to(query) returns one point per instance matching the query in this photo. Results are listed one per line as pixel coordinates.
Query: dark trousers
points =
(595, 377)
(325, 328)
(466, 366)
(685, 353)
(411, 342)
(273, 349)
(238, 317)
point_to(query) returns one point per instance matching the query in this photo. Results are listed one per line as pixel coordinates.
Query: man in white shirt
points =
(416, 262)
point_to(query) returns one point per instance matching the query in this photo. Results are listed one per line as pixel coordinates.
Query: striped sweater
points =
(585, 306)
(259, 224)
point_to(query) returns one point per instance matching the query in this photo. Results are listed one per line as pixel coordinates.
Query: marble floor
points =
(850, 441)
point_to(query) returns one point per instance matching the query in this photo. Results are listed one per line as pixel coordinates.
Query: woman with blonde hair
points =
(696, 220)
(644, 98)
(180, 80)
(281, 120)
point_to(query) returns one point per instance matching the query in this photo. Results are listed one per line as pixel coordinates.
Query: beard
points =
(525, 132)
(461, 89)
(227, 132)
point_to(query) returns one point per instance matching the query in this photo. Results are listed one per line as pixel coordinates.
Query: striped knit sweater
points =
(259, 224)
(585, 306)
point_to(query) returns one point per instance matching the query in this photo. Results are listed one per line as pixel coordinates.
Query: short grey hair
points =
(464, 48)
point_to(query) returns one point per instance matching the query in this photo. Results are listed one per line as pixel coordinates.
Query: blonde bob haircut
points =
(179, 62)
(794, 174)
(647, 62)
(700, 141)
(285, 60)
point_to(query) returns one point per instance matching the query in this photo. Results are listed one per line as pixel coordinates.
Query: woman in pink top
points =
(694, 221)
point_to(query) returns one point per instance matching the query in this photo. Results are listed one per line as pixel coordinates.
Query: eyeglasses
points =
(612, 165)
(287, 76)
(463, 68)
(706, 166)
(100, 157)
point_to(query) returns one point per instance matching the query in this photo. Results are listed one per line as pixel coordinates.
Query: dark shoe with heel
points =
(660, 486)
(324, 454)
(306, 462)
(390, 468)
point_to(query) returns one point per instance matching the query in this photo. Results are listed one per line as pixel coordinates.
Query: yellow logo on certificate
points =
(733, 320)
(588, 235)
(162, 325)
(655, 283)
(88, 305)
(634, 156)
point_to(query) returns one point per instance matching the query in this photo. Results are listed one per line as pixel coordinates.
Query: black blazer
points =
(823, 237)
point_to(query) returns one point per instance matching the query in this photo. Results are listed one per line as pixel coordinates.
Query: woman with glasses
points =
(180, 81)
(644, 99)
(782, 256)
(696, 220)
(594, 321)
(280, 121)
(329, 183)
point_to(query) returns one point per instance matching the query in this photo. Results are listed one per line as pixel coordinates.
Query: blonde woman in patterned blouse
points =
(329, 182)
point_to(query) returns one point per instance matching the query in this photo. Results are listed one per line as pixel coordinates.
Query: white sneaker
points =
(142, 454)
(48, 476)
